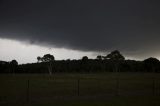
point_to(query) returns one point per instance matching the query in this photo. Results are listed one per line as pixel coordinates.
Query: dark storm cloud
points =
(90, 25)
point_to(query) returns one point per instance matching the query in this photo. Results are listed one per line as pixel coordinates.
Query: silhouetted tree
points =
(84, 63)
(39, 59)
(115, 55)
(49, 59)
(14, 62)
(5, 67)
(84, 58)
(152, 64)
(14, 65)
(99, 57)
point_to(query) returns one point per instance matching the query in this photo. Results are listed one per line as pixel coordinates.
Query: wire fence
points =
(51, 89)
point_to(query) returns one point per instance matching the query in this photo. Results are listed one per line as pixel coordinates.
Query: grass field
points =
(102, 89)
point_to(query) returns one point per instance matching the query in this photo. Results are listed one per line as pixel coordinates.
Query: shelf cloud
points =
(131, 26)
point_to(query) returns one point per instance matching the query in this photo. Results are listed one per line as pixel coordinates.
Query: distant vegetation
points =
(113, 62)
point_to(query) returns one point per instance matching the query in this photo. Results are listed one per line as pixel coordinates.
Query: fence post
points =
(28, 91)
(117, 86)
(154, 87)
(78, 87)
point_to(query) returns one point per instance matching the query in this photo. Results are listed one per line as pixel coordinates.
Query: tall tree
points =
(49, 59)
(152, 64)
(84, 58)
(99, 57)
(39, 59)
(13, 65)
(115, 55)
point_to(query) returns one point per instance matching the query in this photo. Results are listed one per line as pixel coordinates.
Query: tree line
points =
(113, 62)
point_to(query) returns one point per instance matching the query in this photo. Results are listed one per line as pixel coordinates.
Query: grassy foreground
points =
(107, 89)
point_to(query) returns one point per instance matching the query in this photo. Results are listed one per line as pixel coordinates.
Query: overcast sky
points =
(81, 26)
